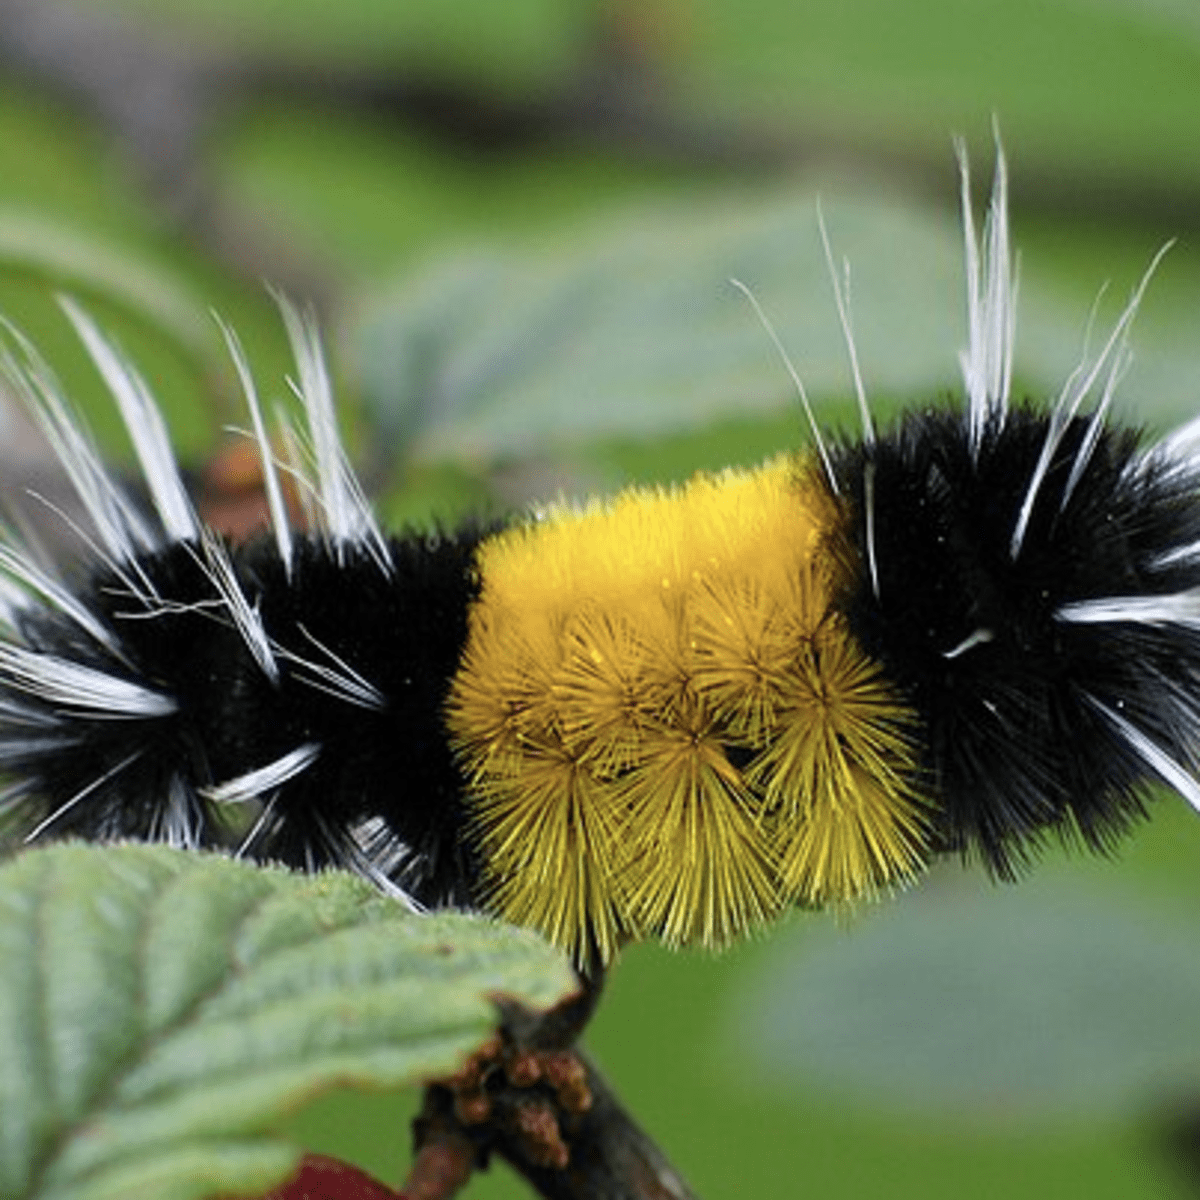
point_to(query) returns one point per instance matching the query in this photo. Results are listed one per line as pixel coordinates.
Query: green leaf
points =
(1056, 999)
(160, 1011)
(65, 251)
(633, 329)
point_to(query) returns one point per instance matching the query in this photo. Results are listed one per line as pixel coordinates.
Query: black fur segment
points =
(385, 768)
(1016, 747)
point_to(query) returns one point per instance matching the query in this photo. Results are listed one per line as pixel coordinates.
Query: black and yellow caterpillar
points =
(672, 713)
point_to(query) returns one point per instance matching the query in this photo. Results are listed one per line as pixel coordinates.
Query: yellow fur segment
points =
(617, 656)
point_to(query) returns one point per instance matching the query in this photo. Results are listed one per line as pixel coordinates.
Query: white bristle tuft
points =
(1078, 387)
(120, 527)
(1159, 762)
(344, 515)
(213, 559)
(145, 425)
(275, 505)
(1179, 608)
(78, 688)
(992, 286)
(254, 785)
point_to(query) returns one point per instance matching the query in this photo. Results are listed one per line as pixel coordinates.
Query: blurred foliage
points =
(537, 37)
(1051, 1003)
(566, 282)
(1094, 86)
(633, 329)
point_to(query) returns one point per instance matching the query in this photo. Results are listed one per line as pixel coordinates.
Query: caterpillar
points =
(669, 714)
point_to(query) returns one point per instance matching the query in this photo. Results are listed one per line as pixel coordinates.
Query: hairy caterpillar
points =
(668, 714)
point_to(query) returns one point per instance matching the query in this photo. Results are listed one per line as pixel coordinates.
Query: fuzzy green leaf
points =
(160, 1011)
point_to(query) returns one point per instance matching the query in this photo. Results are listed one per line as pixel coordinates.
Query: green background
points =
(1099, 105)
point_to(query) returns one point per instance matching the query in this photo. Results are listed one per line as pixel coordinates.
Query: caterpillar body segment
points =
(644, 683)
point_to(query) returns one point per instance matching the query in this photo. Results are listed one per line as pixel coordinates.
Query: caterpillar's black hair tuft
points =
(1027, 704)
(374, 775)
(287, 695)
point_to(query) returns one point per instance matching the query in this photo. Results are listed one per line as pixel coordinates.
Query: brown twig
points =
(531, 1097)
(599, 1153)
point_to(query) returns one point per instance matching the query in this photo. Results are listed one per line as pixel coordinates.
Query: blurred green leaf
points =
(161, 1011)
(1056, 999)
(1102, 87)
(1106, 86)
(632, 329)
(75, 258)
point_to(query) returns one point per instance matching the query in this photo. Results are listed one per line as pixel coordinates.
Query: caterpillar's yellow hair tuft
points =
(666, 725)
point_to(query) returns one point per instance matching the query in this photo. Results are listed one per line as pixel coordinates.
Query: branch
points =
(534, 1099)
(607, 1155)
